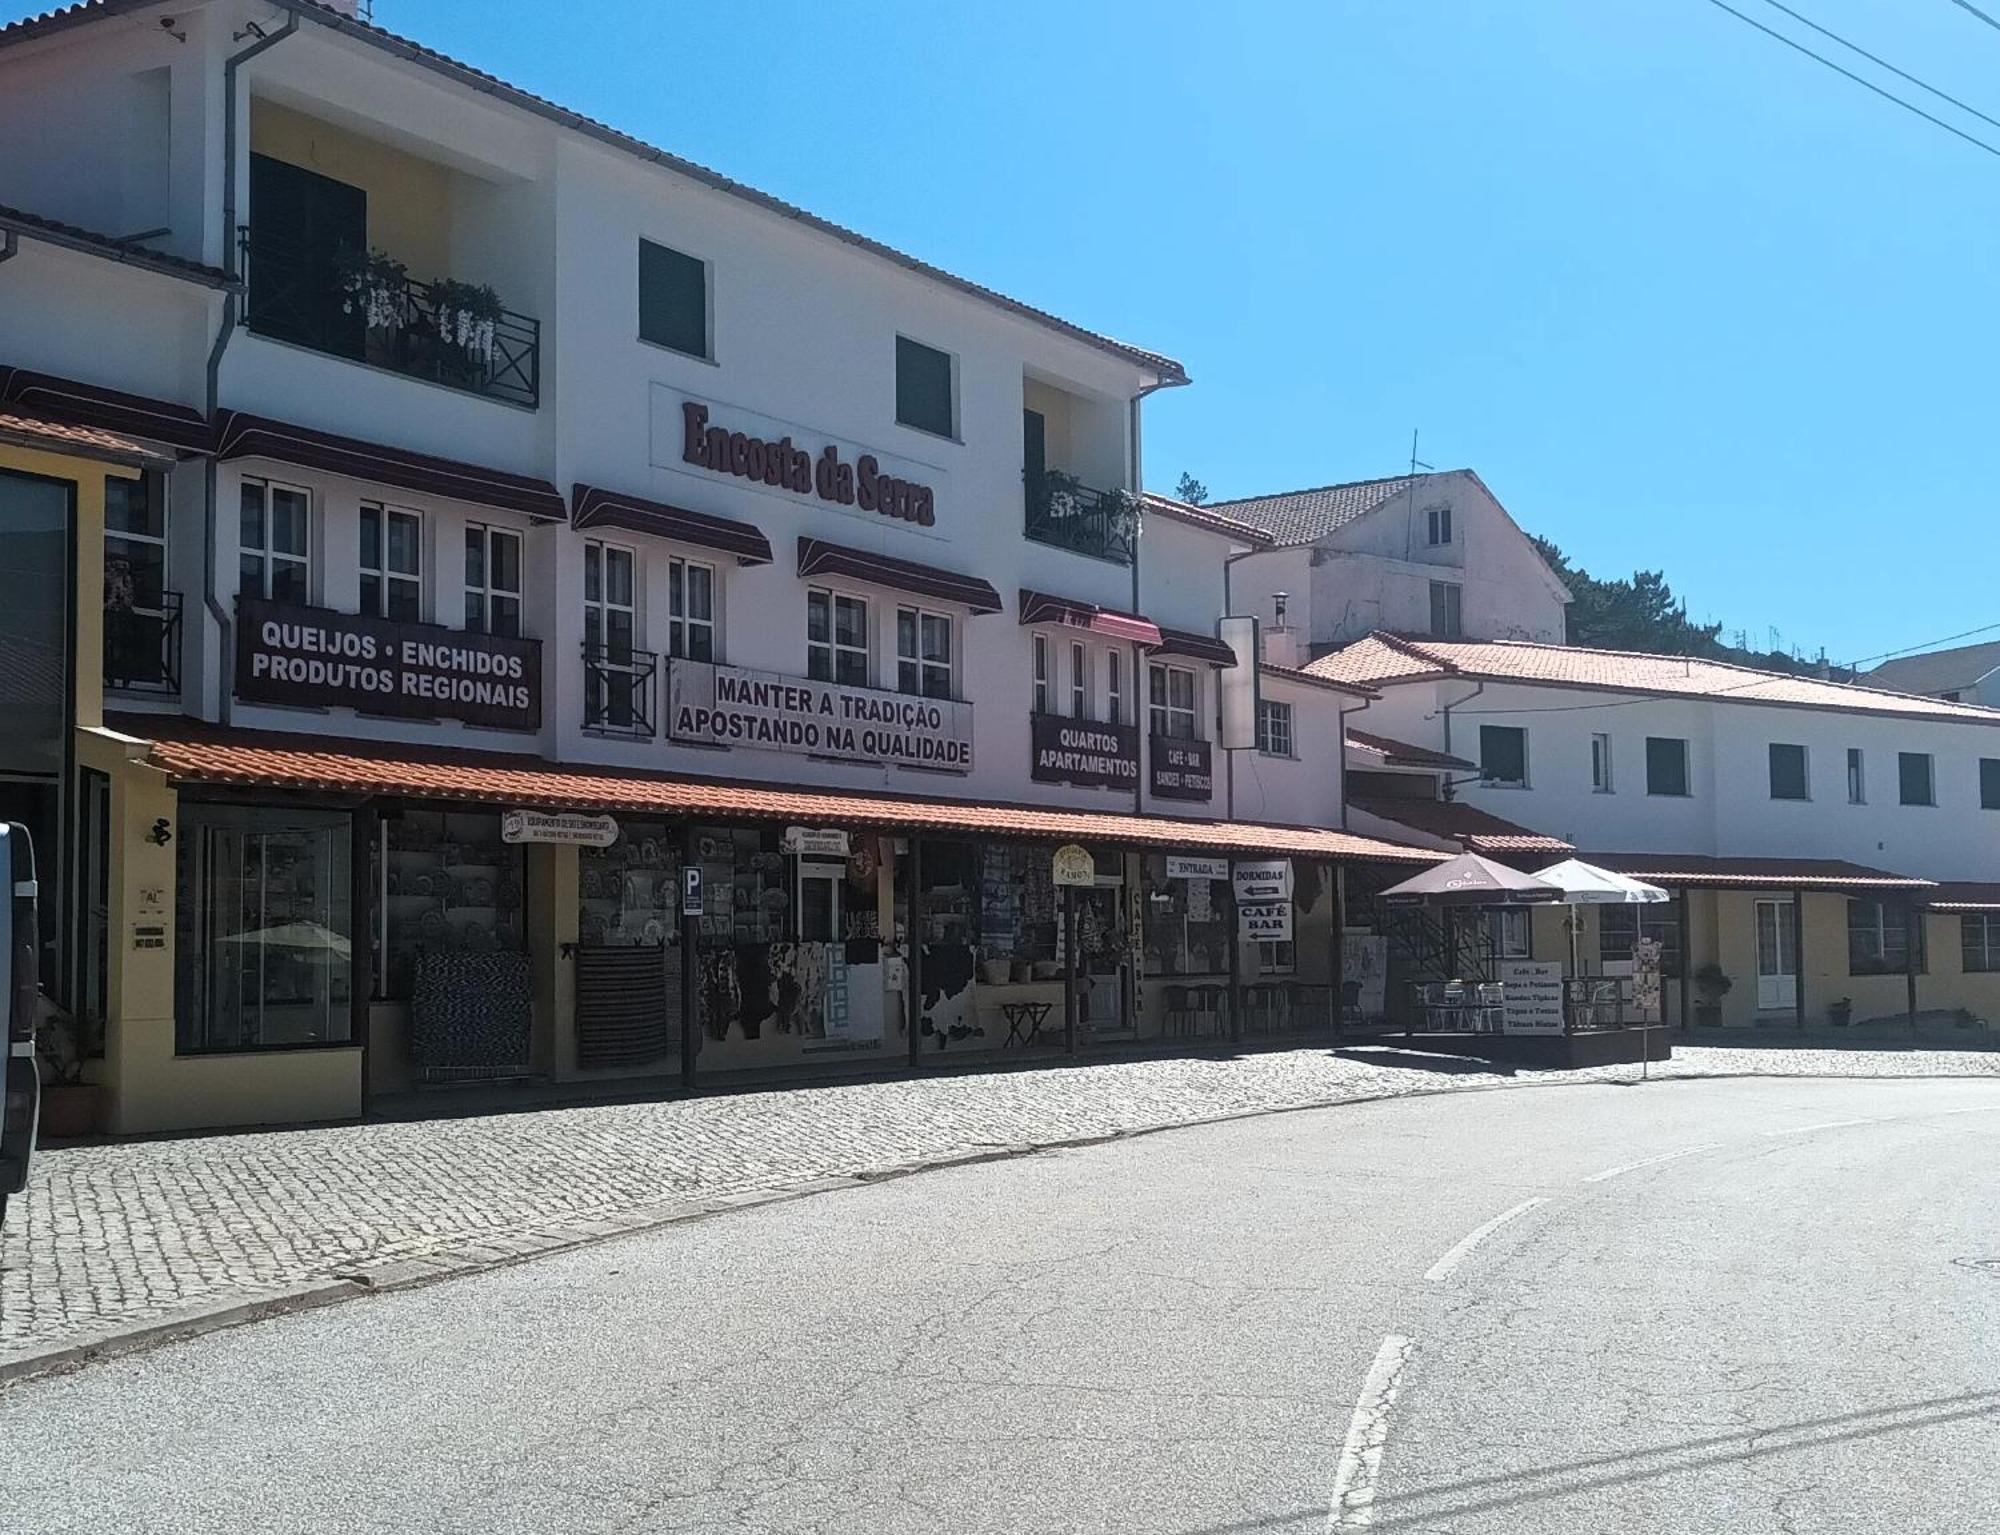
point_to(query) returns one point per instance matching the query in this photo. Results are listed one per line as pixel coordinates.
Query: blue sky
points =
(1683, 298)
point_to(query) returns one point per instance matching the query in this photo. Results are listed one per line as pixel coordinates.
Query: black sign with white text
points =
(1181, 769)
(1084, 752)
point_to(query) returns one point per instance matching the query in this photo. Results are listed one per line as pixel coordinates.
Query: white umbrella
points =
(1584, 884)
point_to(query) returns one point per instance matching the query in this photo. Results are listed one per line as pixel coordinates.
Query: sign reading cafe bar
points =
(322, 659)
(728, 706)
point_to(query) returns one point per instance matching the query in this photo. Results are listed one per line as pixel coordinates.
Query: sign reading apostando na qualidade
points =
(728, 706)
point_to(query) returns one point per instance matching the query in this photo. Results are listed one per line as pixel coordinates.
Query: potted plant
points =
(375, 286)
(1840, 1012)
(70, 1105)
(1711, 985)
(466, 316)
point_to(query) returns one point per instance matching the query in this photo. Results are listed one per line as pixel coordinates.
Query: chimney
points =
(1281, 640)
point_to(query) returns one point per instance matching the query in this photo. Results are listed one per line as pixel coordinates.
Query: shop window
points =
(923, 653)
(690, 610)
(673, 299)
(1171, 712)
(1079, 680)
(1509, 932)
(1619, 929)
(1979, 937)
(923, 388)
(629, 892)
(1667, 766)
(1044, 684)
(492, 580)
(275, 542)
(1915, 778)
(452, 886)
(1114, 686)
(1879, 936)
(1274, 728)
(264, 947)
(392, 584)
(1276, 956)
(1503, 755)
(1184, 928)
(836, 638)
(35, 588)
(1788, 772)
(91, 946)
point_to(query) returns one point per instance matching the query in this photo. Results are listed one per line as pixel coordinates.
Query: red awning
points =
(817, 557)
(1041, 608)
(241, 435)
(592, 507)
(111, 410)
(1197, 647)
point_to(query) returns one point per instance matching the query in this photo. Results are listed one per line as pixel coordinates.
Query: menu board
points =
(1532, 1001)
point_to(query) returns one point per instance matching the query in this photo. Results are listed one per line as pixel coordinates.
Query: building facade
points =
(491, 473)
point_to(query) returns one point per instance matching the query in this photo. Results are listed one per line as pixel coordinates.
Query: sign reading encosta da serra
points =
(319, 658)
(728, 706)
(768, 455)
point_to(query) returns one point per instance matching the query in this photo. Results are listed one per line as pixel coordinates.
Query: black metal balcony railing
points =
(618, 689)
(1062, 511)
(304, 296)
(142, 646)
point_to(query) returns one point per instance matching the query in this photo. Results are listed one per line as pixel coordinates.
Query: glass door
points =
(1777, 955)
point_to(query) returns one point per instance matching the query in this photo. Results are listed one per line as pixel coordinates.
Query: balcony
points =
(142, 647)
(618, 689)
(368, 309)
(1063, 511)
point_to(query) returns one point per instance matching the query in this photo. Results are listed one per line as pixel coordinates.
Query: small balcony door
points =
(1777, 955)
(299, 223)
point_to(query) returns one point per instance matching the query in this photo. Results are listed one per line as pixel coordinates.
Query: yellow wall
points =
(1056, 410)
(409, 200)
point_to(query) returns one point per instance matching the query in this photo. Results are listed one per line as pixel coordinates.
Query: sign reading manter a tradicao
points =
(728, 706)
(322, 659)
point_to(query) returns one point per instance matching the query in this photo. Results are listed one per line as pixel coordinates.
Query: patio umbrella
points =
(1469, 880)
(1584, 884)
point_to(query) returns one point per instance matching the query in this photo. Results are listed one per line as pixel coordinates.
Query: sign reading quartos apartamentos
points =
(1083, 752)
(317, 658)
(729, 706)
(714, 438)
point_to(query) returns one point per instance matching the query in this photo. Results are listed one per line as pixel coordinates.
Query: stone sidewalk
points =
(117, 1238)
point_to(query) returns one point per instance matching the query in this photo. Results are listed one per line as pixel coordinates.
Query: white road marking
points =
(1353, 1503)
(1665, 1156)
(1825, 1124)
(1445, 1266)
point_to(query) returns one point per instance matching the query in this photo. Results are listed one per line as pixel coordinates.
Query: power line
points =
(1862, 81)
(1976, 11)
(1927, 644)
(1902, 74)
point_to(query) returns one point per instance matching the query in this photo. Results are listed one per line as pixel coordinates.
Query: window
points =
(1170, 690)
(1114, 686)
(262, 958)
(673, 299)
(690, 610)
(610, 636)
(1667, 766)
(1788, 772)
(1437, 528)
(1507, 930)
(836, 638)
(1600, 763)
(1979, 937)
(1878, 938)
(1274, 728)
(1857, 782)
(1447, 615)
(1079, 681)
(1276, 956)
(1044, 685)
(273, 555)
(392, 573)
(923, 653)
(1989, 783)
(1619, 929)
(492, 580)
(923, 387)
(138, 642)
(1503, 755)
(1914, 778)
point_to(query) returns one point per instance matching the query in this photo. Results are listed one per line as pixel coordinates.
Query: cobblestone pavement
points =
(122, 1235)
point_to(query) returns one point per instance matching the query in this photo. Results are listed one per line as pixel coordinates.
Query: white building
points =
(1964, 674)
(514, 463)
(1430, 554)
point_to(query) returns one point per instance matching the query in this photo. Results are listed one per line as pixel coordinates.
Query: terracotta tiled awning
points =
(191, 753)
(111, 410)
(83, 441)
(1456, 821)
(1393, 753)
(1695, 871)
(241, 435)
(1041, 608)
(818, 557)
(592, 507)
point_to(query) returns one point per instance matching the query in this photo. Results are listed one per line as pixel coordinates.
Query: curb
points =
(485, 1255)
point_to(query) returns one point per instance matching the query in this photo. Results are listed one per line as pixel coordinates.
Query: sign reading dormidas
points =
(728, 706)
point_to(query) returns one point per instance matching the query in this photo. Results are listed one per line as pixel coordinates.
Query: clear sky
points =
(1682, 297)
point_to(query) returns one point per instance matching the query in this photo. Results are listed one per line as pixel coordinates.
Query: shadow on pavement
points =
(1422, 1060)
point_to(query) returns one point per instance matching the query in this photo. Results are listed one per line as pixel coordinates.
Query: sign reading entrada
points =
(728, 706)
(314, 657)
(786, 466)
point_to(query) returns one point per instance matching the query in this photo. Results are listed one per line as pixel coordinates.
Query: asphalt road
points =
(1461, 1314)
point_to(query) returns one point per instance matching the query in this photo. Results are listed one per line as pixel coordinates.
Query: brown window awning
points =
(1041, 608)
(593, 507)
(1196, 647)
(110, 410)
(242, 435)
(817, 557)
(1699, 871)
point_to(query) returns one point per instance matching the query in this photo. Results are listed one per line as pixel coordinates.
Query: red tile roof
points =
(1383, 658)
(89, 441)
(1401, 753)
(1698, 871)
(1293, 674)
(1456, 821)
(1965, 895)
(1300, 516)
(74, 237)
(192, 753)
(1201, 517)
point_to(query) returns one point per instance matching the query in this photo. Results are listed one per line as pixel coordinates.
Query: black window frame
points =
(1981, 957)
(1494, 733)
(1448, 610)
(1684, 767)
(1904, 762)
(1269, 712)
(917, 366)
(1892, 932)
(1790, 789)
(1989, 783)
(666, 313)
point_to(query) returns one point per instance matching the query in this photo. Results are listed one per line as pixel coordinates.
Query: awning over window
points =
(593, 507)
(817, 557)
(1196, 647)
(111, 410)
(1041, 608)
(78, 441)
(241, 435)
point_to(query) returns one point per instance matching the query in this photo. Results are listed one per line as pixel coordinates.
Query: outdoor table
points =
(1025, 1020)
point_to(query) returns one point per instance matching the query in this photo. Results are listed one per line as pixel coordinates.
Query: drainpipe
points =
(231, 263)
(1477, 689)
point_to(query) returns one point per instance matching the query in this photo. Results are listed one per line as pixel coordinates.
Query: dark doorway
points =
(305, 228)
